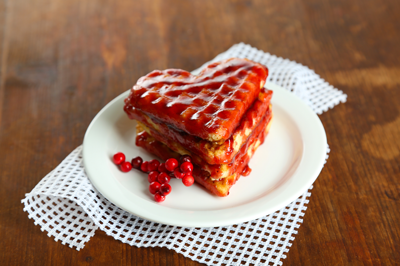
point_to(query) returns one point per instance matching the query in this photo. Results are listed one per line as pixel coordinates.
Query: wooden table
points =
(63, 60)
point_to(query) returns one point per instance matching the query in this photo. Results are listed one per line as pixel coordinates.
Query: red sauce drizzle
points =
(246, 171)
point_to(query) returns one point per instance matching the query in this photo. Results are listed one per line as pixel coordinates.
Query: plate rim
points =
(118, 201)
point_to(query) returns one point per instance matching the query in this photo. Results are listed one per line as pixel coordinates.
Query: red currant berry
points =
(185, 158)
(171, 164)
(153, 165)
(137, 162)
(187, 167)
(158, 197)
(178, 174)
(188, 180)
(153, 175)
(161, 168)
(126, 167)
(165, 189)
(154, 187)
(119, 158)
(145, 167)
(163, 178)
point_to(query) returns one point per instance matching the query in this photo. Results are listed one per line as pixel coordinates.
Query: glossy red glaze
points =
(221, 187)
(218, 187)
(215, 170)
(246, 171)
(202, 147)
(209, 105)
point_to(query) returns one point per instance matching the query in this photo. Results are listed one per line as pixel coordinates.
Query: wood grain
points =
(62, 61)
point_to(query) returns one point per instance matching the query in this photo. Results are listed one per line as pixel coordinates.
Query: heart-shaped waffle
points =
(208, 105)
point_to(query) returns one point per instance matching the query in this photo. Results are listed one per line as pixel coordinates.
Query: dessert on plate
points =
(219, 118)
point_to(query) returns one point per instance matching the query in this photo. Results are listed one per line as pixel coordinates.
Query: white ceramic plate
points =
(288, 162)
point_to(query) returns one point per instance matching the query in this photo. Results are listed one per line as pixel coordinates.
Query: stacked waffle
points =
(219, 118)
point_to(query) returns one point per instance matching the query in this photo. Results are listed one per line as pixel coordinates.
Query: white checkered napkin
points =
(69, 208)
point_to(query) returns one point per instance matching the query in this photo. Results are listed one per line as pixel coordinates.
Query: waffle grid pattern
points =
(66, 205)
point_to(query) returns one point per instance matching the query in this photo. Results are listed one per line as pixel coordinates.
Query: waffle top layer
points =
(209, 105)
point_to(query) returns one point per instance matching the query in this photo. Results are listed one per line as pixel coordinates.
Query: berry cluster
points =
(159, 174)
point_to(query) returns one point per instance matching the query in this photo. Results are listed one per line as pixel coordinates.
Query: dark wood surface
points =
(61, 61)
